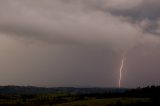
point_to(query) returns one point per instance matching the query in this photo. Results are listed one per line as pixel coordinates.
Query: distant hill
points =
(73, 90)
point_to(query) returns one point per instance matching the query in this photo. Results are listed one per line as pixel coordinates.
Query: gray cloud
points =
(57, 22)
(145, 10)
(76, 42)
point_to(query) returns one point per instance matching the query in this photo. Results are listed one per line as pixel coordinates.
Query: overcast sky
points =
(79, 43)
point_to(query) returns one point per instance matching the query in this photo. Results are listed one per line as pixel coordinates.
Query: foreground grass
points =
(110, 102)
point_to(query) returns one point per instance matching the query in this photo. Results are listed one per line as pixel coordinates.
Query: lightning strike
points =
(120, 70)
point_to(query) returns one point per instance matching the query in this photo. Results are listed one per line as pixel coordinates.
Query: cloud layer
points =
(80, 32)
(99, 22)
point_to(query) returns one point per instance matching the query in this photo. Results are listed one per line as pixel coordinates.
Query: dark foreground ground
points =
(33, 96)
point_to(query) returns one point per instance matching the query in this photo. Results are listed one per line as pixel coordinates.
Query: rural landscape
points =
(36, 96)
(79, 52)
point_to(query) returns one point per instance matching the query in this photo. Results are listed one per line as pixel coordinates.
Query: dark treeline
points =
(149, 91)
(71, 90)
(152, 92)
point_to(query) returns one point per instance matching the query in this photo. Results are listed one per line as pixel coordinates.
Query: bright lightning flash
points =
(120, 71)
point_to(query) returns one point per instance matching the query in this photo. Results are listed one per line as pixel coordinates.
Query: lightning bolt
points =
(120, 70)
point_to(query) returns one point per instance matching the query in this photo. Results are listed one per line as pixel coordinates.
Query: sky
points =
(79, 43)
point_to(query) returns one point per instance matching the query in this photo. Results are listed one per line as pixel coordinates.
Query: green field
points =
(109, 102)
(69, 100)
(31, 96)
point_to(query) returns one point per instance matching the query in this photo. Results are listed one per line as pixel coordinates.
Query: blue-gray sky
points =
(79, 42)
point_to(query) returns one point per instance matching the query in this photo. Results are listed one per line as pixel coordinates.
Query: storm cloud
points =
(81, 41)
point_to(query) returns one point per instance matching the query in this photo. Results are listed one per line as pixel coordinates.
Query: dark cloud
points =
(84, 41)
(84, 22)
(145, 10)
(68, 22)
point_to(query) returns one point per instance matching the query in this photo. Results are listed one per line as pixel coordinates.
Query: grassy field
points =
(69, 100)
(110, 102)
